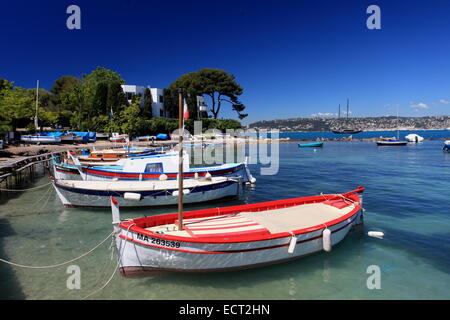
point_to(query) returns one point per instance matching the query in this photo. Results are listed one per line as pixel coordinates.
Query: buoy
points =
(185, 191)
(292, 244)
(376, 234)
(208, 176)
(326, 240)
(196, 176)
(253, 180)
(163, 177)
(132, 196)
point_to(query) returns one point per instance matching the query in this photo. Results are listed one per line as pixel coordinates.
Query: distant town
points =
(366, 124)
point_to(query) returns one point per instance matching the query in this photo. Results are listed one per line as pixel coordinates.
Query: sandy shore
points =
(26, 150)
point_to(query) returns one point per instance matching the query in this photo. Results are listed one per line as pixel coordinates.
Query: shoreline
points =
(24, 150)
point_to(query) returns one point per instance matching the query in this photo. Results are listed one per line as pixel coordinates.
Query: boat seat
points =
(224, 226)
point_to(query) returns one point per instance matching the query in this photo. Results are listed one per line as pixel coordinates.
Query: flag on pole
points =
(186, 110)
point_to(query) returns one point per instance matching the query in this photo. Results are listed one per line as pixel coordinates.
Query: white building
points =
(157, 97)
(158, 109)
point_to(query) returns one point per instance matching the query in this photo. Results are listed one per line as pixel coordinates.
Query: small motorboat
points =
(412, 137)
(80, 193)
(311, 145)
(446, 147)
(236, 237)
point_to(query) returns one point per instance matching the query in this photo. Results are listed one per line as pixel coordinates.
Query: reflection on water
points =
(407, 191)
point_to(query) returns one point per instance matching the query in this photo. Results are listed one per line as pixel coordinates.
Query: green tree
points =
(16, 107)
(147, 106)
(62, 86)
(215, 83)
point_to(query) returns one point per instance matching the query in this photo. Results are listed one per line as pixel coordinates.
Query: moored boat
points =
(79, 193)
(40, 138)
(236, 237)
(446, 147)
(118, 137)
(392, 143)
(311, 145)
(412, 137)
(149, 168)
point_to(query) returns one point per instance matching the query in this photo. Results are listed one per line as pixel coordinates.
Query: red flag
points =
(185, 111)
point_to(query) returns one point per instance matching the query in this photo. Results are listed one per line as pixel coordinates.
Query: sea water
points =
(407, 189)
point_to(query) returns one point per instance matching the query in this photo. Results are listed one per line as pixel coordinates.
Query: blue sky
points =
(293, 58)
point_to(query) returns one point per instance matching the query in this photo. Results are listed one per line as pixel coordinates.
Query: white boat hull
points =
(139, 253)
(40, 139)
(72, 197)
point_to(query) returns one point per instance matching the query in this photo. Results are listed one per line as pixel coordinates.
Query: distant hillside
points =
(367, 124)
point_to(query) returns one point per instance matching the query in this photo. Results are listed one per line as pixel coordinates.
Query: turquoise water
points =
(406, 197)
(427, 134)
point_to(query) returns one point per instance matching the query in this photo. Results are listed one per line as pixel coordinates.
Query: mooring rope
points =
(28, 189)
(59, 264)
(119, 258)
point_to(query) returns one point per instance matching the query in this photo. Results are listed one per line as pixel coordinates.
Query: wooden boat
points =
(392, 143)
(118, 137)
(311, 145)
(79, 193)
(235, 237)
(150, 168)
(345, 130)
(232, 238)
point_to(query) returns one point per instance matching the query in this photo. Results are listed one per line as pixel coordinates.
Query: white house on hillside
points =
(157, 97)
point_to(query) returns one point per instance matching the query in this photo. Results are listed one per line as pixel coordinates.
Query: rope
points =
(119, 258)
(20, 190)
(56, 265)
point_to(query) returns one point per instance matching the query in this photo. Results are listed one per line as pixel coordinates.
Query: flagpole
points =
(180, 160)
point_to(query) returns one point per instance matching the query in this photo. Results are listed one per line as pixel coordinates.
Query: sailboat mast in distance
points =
(347, 108)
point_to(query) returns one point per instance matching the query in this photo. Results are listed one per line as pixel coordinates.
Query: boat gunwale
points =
(138, 225)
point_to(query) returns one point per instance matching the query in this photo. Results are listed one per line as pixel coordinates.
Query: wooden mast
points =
(36, 121)
(180, 159)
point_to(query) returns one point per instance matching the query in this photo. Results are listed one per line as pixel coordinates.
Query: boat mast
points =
(36, 122)
(180, 159)
(398, 131)
(347, 110)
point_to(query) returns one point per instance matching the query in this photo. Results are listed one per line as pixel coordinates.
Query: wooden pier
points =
(18, 170)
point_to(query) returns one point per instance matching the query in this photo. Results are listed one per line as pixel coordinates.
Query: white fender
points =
(376, 234)
(185, 191)
(163, 177)
(115, 213)
(132, 196)
(292, 244)
(326, 240)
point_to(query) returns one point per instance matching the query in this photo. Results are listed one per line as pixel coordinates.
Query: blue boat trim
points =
(149, 193)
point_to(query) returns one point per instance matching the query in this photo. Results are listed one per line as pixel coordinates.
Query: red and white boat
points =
(119, 137)
(236, 237)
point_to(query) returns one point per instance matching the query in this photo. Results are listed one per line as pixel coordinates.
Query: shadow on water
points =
(307, 266)
(434, 248)
(10, 288)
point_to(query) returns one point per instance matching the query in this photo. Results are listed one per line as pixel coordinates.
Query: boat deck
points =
(260, 223)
